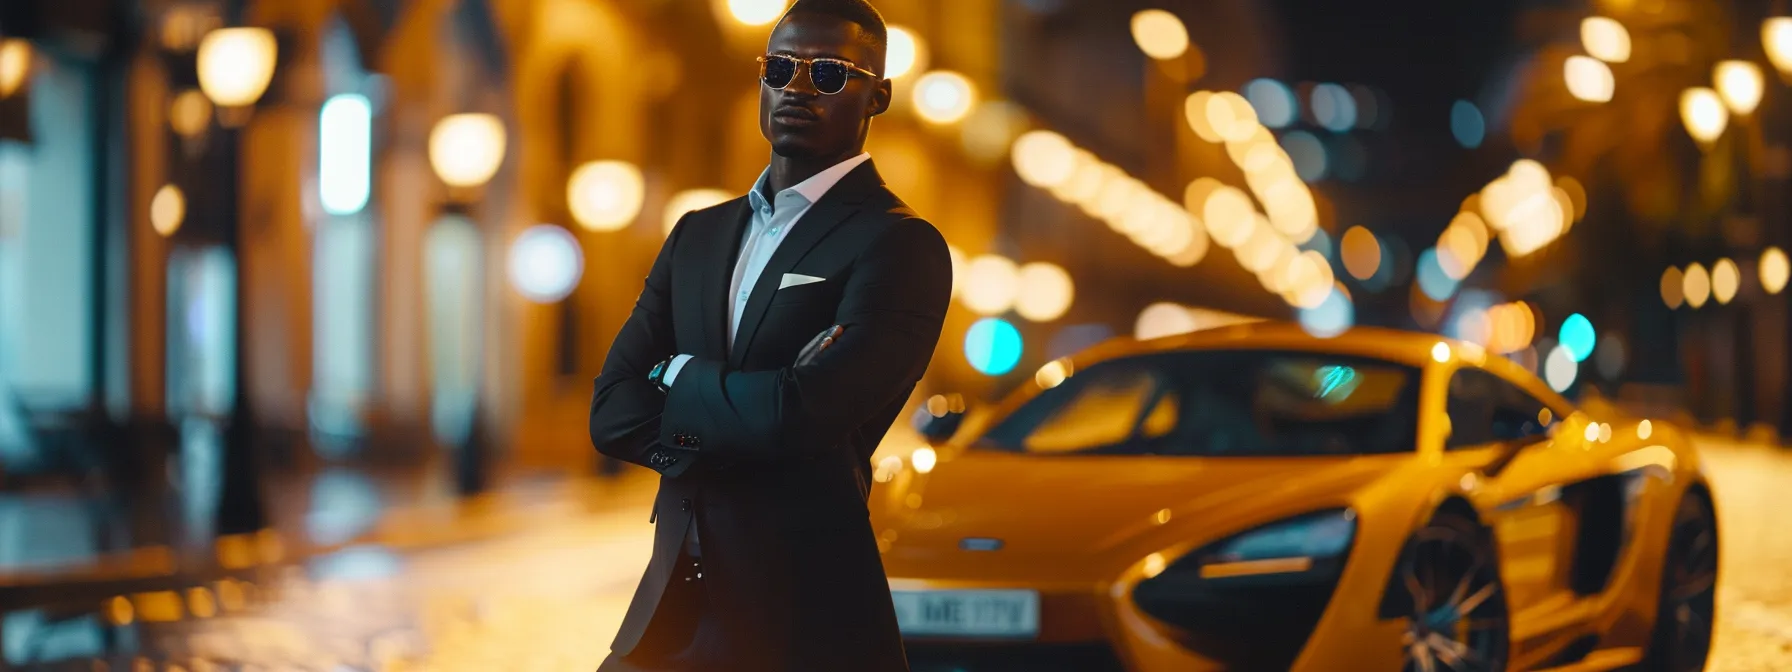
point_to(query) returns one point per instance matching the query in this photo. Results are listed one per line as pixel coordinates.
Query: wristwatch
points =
(657, 375)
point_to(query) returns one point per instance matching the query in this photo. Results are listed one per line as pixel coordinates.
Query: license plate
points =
(968, 613)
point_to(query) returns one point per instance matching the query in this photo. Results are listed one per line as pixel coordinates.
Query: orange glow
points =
(1673, 287)
(1361, 253)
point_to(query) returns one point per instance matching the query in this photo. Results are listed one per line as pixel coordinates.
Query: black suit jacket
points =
(770, 460)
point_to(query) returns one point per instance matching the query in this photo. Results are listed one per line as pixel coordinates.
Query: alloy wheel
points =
(1458, 616)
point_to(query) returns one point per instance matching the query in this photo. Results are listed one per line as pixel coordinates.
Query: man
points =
(777, 337)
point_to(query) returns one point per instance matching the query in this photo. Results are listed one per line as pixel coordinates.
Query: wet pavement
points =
(545, 584)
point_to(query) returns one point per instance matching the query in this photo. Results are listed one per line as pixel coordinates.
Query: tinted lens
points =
(829, 77)
(777, 71)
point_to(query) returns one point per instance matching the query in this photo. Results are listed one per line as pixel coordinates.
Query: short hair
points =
(870, 22)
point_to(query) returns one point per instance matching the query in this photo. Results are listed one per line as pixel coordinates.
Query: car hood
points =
(1057, 517)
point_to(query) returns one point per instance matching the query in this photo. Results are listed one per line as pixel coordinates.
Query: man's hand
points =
(819, 343)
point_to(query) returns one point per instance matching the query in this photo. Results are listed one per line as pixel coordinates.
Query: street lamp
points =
(1703, 113)
(236, 64)
(465, 150)
(605, 195)
(15, 62)
(1776, 38)
(1739, 84)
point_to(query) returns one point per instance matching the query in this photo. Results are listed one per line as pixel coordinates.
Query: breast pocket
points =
(813, 293)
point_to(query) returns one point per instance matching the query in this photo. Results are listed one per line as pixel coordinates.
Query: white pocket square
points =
(794, 279)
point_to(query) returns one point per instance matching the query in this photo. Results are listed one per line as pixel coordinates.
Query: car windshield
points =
(1220, 403)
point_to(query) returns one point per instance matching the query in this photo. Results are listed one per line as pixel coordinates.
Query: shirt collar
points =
(810, 190)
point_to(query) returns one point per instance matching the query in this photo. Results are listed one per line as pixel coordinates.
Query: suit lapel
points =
(836, 206)
(718, 273)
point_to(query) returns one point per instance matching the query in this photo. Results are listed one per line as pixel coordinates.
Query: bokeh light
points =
(1332, 316)
(1274, 101)
(1605, 39)
(1232, 117)
(1053, 374)
(1043, 159)
(466, 149)
(15, 63)
(1046, 292)
(944, 97)
(345, 153)
(605, 195)
(1467, 124)
(1776, 38)
(1361, 252)
(756, 12)
(924, 459)
(906, 52)
(690, 200)
(1726, 279)
(189, 113)
(545, 263)
(1307, 153)
(1159, 34)
(1163, 319)
(1673, 287)
(1577, 195)
(992, 346)
(1560, 369)
(1740, 85)
(236, 64)
(990, 285)
(167, 209)
(1703, 113)
(1644, 429)
(1433, 281)
(1440, 352)
(1577, 337)
(1589, 79)
(1774, 270)
(1229, 216)
(1194, 110)
(1696, 286)
(1333, 107)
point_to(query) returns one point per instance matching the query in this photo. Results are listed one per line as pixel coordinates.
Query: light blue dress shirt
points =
(770, 224)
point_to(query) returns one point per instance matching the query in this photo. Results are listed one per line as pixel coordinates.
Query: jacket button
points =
(684, 505)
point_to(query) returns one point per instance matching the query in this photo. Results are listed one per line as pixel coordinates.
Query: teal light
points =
(1577, 337)
(992, 346)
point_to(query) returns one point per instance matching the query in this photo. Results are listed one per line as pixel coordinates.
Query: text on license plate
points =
(968, 613)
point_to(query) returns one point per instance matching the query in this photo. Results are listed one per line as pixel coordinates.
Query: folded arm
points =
(626, 406)
(892, 309)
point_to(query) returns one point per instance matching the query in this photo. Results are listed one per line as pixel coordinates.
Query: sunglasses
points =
(828, 74)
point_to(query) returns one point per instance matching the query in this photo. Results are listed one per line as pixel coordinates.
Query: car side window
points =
(1485, 408)
(1101, 408)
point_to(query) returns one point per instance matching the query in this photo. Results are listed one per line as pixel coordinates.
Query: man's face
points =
(801, 122)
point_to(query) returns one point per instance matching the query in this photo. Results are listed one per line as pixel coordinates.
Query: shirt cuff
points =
(673, 369)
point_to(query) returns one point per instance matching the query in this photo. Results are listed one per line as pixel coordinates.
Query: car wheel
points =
(1688, 602)
(1457, 610)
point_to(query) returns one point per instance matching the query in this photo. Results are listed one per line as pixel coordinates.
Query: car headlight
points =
(1250, 600)
(1293, 545)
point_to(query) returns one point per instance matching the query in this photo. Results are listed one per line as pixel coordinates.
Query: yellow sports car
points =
(1255, 498)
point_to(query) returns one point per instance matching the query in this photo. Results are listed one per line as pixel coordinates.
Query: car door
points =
(1528, 453)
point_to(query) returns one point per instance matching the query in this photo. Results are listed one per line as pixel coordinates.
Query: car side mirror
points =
(939, 419)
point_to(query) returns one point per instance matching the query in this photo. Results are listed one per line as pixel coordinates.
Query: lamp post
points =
(465, 150)
(235, 66)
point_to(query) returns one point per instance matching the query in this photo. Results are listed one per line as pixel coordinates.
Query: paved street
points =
(549, 596)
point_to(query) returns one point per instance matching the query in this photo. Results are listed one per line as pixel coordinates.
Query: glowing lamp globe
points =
(236, 64)
(466, 149)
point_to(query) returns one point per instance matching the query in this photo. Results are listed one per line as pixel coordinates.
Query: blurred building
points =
(367, 229)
